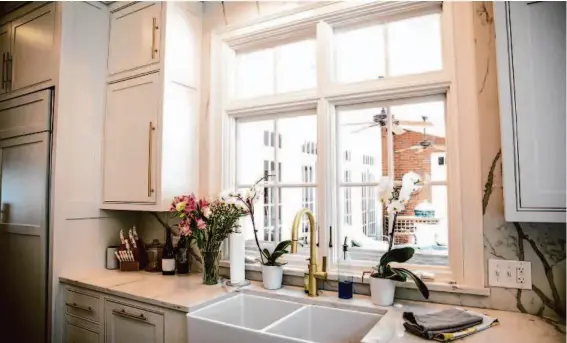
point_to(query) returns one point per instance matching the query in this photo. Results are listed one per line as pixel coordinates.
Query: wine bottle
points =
(168, 256)
(182, 261)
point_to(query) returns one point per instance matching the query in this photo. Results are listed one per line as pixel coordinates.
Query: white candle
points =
(236, 257)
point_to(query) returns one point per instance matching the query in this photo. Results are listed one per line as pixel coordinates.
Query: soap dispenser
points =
(345, 278)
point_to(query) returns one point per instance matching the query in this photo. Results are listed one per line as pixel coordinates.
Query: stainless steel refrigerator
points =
(25, 160)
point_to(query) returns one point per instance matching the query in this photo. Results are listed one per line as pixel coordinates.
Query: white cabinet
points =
(531, 71)
(151, 135)
(78, 334)
(130, 140)
(125, 323)
(32, 48)
(96, 317)
(134, 37)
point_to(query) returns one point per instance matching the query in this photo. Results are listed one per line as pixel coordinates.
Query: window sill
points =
(333, 275)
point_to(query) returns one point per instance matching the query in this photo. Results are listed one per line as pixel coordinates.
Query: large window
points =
(372, 97)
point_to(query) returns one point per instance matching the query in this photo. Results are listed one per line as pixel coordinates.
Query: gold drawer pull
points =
(80, 307)
(123, 313)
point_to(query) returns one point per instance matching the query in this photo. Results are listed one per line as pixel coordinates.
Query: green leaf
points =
(266, 253)
(277, 254)
(399, 255)
(390, 273)
(283, 245)
(420, 285)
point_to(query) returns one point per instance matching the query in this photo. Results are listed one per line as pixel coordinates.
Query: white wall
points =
(80, 231)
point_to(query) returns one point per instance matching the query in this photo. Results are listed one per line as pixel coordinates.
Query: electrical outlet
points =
(510, 274)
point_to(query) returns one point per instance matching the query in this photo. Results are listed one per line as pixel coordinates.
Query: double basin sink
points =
(257, 319)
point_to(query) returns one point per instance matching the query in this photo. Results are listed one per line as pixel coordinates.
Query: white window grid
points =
(307, 198)
(456, 34)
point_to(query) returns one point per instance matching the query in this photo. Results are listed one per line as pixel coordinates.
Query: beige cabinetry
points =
(151, 133)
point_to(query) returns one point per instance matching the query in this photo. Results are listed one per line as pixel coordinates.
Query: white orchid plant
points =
(246, 198)
(396, 201)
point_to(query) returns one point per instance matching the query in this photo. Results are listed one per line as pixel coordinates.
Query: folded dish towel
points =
(447, 325)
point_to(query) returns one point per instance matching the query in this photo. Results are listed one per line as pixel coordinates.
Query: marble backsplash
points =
(539, 243)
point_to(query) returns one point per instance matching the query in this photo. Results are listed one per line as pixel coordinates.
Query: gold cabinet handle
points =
(154, 29)
(124, 314)
(150, 157)
(9, 68)
(80, 307)
(3, 70)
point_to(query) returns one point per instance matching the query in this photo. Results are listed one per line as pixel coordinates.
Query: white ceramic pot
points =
(382, 291)
(272, 277)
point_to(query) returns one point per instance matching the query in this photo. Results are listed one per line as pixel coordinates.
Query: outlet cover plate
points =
(510, 274)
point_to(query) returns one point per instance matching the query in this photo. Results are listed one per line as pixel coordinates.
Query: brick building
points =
(412, 160)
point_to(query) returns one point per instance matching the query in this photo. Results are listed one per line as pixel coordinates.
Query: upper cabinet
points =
(130, 142)
(32, 39)
(134, 37)
(151, 136)
(531, 75)
(27, 45)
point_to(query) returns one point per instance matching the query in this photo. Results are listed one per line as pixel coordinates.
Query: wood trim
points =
(287, 24)
(465, 191)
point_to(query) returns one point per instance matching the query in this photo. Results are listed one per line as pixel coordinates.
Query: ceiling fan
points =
(424, 143)
(381, 120)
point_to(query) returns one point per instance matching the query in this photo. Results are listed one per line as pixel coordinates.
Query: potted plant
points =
(383, 278)
(209, 223)
(272, 271)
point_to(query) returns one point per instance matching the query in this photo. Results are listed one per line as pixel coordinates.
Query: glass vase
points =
(211, 267)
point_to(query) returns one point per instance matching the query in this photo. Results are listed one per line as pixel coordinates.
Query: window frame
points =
(456, 81)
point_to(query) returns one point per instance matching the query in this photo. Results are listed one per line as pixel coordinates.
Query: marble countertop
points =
(187, 294)
(184, 293)
(514, 326)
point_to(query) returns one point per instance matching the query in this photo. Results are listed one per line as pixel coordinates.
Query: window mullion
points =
(277, 177)
(386, 51)
(390, 143)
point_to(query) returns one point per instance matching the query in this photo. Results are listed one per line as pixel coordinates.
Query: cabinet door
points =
(534, 111)
(4, 50)
(131, 324)
(32, 50)
(77, 334)
(130, 140)
(134, 37)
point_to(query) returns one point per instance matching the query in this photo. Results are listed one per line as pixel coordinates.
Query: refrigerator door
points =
(24, 172)
(24, 213)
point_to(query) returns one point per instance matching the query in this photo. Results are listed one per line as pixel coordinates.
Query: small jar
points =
(154, 252)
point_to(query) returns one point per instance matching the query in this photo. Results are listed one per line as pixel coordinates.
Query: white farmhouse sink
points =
(248, 311)
(326, 325)
(257, 319)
